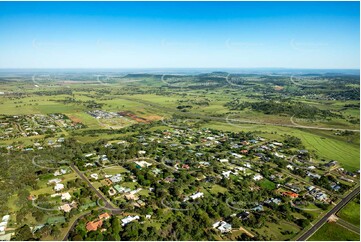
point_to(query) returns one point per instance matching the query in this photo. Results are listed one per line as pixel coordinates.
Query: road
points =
(108, 206)
(334, 210)
(73, 225)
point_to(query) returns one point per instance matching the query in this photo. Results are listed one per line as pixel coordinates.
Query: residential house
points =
(223, 226)
(65, 196)
(94, 225)
(290, 194)
(129, 219)
(257, 177)
(197, 195)
(58, 187)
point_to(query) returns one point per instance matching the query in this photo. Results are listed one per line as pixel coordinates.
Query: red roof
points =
(290, 194)
(94, 225)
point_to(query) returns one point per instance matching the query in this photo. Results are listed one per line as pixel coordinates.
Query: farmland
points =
(165, 146)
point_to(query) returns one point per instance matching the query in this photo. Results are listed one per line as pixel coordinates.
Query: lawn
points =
(334, 232)
(266, 184)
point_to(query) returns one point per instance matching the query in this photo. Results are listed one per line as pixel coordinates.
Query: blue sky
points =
(179, 34)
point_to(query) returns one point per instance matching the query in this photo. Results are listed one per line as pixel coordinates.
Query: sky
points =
(322, 35)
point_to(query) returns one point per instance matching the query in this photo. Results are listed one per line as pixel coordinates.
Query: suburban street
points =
(334, 210)
(107, 204)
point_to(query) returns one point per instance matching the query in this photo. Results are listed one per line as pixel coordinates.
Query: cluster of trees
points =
(298, 109)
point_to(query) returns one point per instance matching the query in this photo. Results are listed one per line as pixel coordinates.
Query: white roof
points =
(197, 195)
(6, 218)
(65, 196)
(58, 187)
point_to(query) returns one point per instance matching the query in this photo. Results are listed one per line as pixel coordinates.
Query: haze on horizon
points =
(316, 35)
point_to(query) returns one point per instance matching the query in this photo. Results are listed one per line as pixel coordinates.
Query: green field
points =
(334, 232)
(351, 213)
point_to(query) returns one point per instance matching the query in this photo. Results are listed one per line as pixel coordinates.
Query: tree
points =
(23, 233)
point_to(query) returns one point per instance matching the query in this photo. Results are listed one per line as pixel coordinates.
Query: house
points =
(156, 171)
(290, 194)
(94, 176)
(54, 181)
(289, 167)
(131, 197)
(223, 226)
(276, 201)
(346, 179)
(94, 225)
(204, 163)
(313, 175)
(237, 155)
(244, 152)
(185, 166)
(142, 152)
(129, 219)
(65, 196)
(5, 218)
(257, 177)
(321, 196)
(197, 195)
(277, 143)
(148, 216)
(108, 182)
(135, 191)
(88, 155)
(310, 188)
(244, 215)
(66, 208)
(259, 208)
(223, 160)
(58, 187)
(104, 216)
(335, 187)
(226, 173)
(116, 178)
(139, 203)
(111, 191)
(331, 163)
(247, 165)
(143, 163)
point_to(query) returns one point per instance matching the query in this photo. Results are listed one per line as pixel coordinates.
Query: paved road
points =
(340, 205)
(108, 206)
(73, 225)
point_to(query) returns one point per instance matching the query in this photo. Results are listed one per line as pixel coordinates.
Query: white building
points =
(59, 187)
(65, 196)
(129, 219)
(257, 177)
(95, 176)
(222, 226)
(197, 195)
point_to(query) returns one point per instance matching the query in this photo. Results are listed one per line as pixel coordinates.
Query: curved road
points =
(323, 220)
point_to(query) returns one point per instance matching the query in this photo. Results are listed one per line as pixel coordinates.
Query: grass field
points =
(351, 213)
(334, 232)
